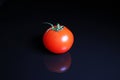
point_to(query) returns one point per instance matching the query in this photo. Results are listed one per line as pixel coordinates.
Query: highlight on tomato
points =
(58, 39)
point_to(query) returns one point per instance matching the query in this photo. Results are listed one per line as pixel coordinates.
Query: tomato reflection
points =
(58, 63)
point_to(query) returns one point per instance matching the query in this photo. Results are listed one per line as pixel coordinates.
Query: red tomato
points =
(58, 39)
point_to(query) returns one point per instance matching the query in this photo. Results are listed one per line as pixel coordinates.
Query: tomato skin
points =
(58, 42)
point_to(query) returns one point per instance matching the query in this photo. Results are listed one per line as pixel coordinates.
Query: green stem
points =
(57, 28)
(49, 24)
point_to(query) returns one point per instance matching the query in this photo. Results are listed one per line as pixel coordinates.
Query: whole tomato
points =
(58, 39)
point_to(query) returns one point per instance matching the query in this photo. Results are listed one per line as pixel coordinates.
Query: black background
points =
(96, 51)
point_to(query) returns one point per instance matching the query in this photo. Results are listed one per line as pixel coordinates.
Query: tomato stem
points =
(55, 28)
(49, 24)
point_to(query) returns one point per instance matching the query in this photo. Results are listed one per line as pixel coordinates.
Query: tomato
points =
(58, 39)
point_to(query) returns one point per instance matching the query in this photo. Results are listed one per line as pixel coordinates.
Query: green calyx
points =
(55, 28)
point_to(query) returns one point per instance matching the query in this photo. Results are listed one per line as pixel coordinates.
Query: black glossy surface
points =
(95, 54)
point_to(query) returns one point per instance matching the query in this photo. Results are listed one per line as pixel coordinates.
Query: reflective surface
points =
(95, 54)
(58, 63)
